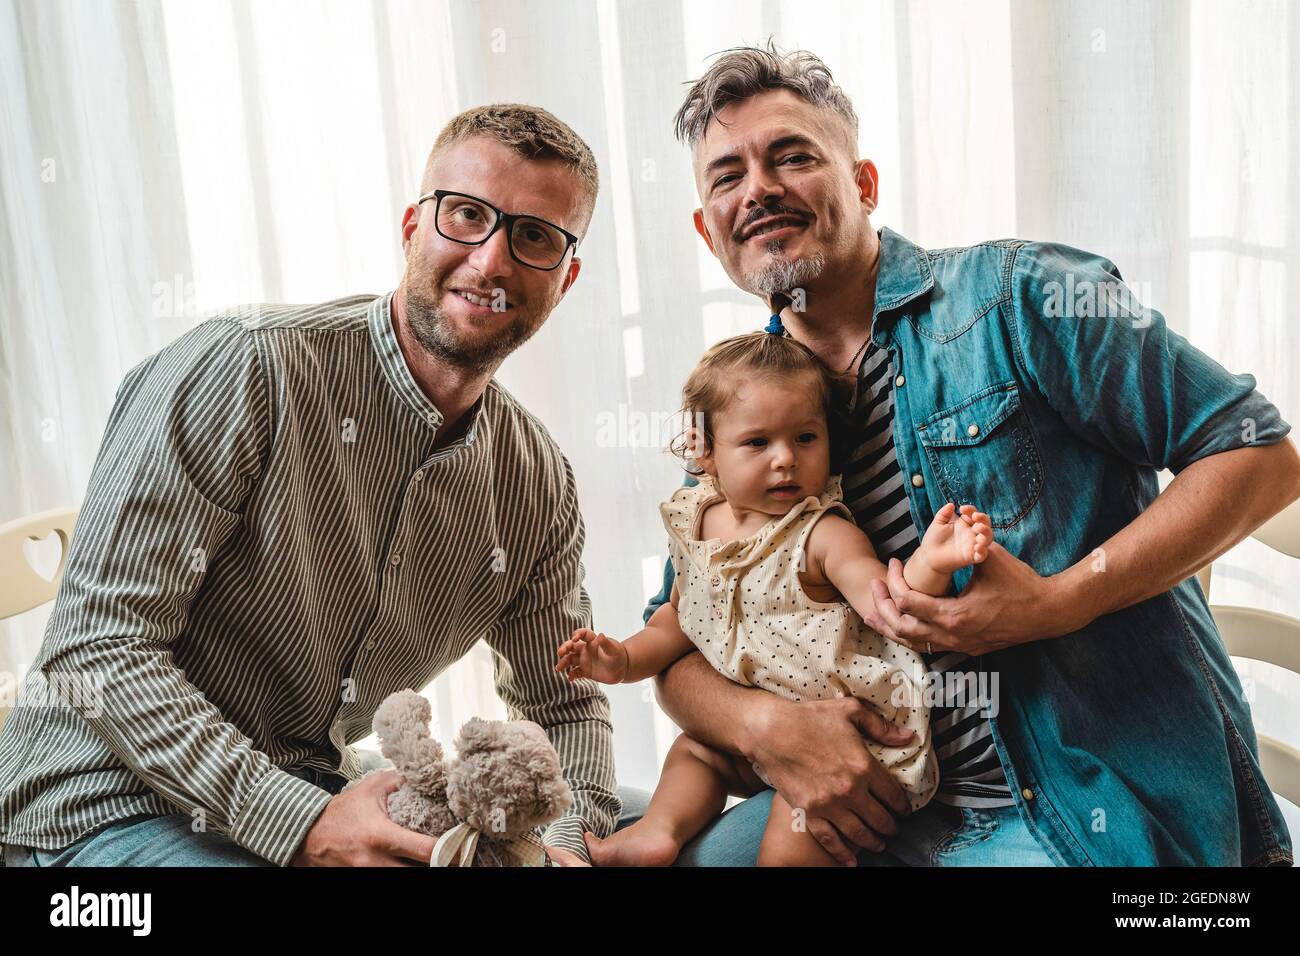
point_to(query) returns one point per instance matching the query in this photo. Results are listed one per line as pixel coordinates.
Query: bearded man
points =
(298, 510)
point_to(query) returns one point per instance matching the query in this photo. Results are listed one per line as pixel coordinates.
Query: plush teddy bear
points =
(484, 806)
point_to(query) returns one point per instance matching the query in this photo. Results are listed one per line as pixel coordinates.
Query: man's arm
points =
(183, 449)
(709, 707)
(1211, 506)
(1126, 383)
(1146, 393)
(575, 715)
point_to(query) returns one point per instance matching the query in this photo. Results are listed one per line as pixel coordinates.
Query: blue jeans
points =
(152, 840)
(935, 835)
(169, 841)
(141, 841)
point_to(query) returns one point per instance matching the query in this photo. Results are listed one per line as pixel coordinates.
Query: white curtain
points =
(162, 160)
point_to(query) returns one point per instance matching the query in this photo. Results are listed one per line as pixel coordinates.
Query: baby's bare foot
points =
(637, 845)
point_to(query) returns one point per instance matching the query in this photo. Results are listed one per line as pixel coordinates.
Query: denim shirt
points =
(1035, 387)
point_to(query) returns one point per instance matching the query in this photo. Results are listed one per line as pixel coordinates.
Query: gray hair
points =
(742, 72)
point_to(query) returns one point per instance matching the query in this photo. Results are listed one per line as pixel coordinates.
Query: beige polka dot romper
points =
(742, 604)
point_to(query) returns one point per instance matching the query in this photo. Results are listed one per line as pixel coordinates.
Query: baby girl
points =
(772, 577)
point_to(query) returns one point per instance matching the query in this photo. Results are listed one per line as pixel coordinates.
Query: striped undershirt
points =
(970, 773)
(269, 546)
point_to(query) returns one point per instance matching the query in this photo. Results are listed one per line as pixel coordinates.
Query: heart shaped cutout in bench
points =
(44, 555)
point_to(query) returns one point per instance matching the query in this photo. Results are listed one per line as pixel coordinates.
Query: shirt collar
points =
(902, 273)
(383, 338)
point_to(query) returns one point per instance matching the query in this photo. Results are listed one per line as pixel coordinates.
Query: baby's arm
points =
(644, 654)
(842, 555)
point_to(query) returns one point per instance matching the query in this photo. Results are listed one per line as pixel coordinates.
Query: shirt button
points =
(419, 475)
(1027, 793)
(918, 481)
(395, 560)
(973, 430)
(717, 581)
(899, 381)
(433, 418)
(371, 644)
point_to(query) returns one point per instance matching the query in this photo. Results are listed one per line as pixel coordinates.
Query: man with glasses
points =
(472, 221)
(297, 511)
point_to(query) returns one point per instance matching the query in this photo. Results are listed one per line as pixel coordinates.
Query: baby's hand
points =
(957, 538)
(588, 654)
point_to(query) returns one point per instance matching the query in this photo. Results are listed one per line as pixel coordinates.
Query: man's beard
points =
(436, 331)
(781, 274)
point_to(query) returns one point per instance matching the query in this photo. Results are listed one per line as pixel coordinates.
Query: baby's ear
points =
(696, 441)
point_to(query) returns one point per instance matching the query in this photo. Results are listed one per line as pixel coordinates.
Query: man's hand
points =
(813, 753)
(562, 857)
(354, 830)
(1006, 603)
(1210, 506)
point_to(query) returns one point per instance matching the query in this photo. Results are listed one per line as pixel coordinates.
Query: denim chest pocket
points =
(982, 451)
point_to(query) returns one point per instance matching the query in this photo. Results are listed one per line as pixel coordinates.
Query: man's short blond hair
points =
(533, 133)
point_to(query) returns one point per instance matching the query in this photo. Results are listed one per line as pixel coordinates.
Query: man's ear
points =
(410, 220)
(868, 180)
(571, 276)
(703, 230)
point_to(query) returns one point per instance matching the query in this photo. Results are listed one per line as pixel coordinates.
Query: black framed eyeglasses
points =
(471, 221)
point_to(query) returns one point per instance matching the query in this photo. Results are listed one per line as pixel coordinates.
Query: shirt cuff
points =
(275, 818)
(1227, 430)
(566, 833)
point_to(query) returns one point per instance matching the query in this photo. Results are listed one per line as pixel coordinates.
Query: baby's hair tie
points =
(776, 302)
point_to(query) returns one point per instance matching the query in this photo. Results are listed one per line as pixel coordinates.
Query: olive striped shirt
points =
(269, 546)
